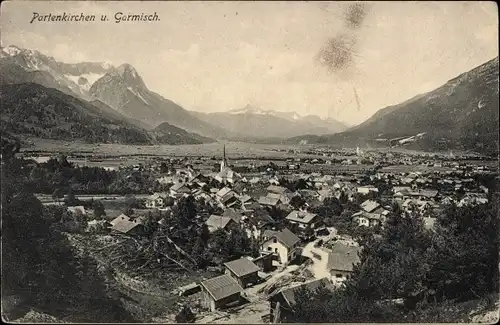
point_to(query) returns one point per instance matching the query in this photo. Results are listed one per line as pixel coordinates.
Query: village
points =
(304, 215)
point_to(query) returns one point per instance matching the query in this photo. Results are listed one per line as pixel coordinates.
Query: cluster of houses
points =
(247, 199)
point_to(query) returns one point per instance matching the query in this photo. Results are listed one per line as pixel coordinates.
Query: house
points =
(223, 192)
(284, 244)
(281, 197)
(128, 227)
(156, 200)
(246, 199)
(282, 302)
(401, 192)
(367, 189)
(416, 205)
(429, 223)
(267, 201)
(230, 200)
(254, 180)
(243, 271)
(369, 205)
(77, 209)
(121, 217)
(251, 206)
(215, 222)
(325, 193)
(309, 195)
(257, 222)
(166, 179)
(179, 189)
(425, 195)
(341, 261)
(277, 189)
(234, 214)
(227, 175)
(473, 199)
(367, 219)
(302, 218)
(220, 291)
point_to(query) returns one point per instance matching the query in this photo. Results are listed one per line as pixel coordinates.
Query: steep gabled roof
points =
(121, 217)
(221, 286)
(301, 216)
(217, 222)
(285, 236)
(242, 267)
(369, 205)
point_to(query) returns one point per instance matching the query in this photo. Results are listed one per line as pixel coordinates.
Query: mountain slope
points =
(123, 89)
(23, 65)
(461, 114)
(252, 122)
(32, 109)
(118, 87)
(169, 134)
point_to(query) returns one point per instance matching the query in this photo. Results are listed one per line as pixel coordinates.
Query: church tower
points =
(223, 161)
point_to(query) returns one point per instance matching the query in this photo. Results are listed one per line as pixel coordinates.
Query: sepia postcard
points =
(249, 162)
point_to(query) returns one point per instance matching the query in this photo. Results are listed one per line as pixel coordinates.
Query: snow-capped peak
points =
(107, 65)
(11, 50)
(249, 109)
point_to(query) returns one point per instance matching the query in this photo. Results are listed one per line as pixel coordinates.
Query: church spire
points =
(223, 161)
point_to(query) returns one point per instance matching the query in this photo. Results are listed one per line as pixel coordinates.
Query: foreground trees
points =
(39, 265)
(457, 261)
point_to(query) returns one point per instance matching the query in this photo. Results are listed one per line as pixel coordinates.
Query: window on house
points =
(275, 250)
(275, 240)
(269, 248)
(338, 275)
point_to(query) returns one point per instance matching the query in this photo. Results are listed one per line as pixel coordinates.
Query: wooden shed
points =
(220, 291)
(243, 271)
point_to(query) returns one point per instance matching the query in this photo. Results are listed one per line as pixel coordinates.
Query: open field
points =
(233, 149)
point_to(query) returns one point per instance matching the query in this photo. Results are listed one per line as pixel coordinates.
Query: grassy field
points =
(233, 149)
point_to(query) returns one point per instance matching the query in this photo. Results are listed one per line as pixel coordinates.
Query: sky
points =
(218, 56)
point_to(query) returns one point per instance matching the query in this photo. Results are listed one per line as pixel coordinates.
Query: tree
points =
(39, 264)
(71, 199)
(465, 251)
(343, 198)
(58, 194)
(185, 315)
(297, 202)
(300, 184)
(99, 211)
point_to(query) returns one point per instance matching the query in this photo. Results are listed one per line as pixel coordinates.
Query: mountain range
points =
(30, 109)
(461, 114)
(269, 123)
(29, 69)
(123, 89)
